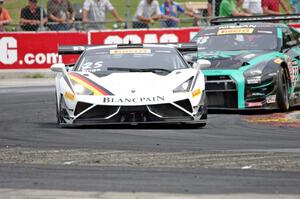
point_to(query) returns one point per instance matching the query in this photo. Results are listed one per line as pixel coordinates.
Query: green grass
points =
(14, 7)
(35, 76)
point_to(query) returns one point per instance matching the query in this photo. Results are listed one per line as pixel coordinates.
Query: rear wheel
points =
(282, 95)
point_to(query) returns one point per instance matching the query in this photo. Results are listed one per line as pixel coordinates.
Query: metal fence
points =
(56, 15)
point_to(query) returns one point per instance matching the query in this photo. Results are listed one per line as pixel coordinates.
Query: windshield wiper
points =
(140, 69)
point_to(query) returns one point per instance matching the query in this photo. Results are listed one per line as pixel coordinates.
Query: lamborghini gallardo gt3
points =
(129, 84)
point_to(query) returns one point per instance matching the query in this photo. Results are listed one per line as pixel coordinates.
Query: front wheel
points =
(282, 95)
(59, 111)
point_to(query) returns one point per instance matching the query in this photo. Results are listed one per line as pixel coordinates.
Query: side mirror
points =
(201, 64)
(59, 68)
(190, 59)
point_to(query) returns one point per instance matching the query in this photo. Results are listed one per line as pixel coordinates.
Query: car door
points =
(291, 47)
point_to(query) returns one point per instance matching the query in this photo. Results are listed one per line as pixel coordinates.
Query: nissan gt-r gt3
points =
(253, 65)
(129, 84)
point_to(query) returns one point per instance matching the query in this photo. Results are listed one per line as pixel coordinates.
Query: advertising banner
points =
(143, 36)
(35, 50)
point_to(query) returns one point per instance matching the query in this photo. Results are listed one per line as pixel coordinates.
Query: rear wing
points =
(71, 50)
(185, 48)
(77, 50)
(263, 18)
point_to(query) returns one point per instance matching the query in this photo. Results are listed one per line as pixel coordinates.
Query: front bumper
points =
(175, 112)
(229, 90)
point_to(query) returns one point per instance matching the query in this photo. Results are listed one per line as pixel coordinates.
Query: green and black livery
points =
(254, 65)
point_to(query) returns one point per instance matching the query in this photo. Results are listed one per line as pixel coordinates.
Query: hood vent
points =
(245, 64)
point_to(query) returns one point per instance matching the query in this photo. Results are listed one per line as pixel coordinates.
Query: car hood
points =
(229, 59)
(141, 83)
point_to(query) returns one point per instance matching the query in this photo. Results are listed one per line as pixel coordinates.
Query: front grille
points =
(99, 112)
(217, 78)
(186, 104)
(221, 92)
(167, 110)
(220, 86)
(81, 106)
(219, 83)
(133, 114)
(222, 99)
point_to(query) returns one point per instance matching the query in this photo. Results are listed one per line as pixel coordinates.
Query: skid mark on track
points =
(291, 119)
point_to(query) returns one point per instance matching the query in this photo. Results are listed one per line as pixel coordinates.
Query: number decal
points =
(98, 65)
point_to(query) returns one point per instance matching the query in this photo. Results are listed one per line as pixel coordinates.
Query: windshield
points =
(236, 42)
(131, 60)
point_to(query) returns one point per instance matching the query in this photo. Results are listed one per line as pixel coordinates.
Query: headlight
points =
(254, 80)
(184, 87)
(253, 75)
(81, 90)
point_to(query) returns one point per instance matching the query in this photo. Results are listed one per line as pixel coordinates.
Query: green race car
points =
(254, 65)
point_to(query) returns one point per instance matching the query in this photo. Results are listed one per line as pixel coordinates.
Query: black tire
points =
(282, 95)
(59, 110)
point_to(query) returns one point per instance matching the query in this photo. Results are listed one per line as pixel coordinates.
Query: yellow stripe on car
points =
(86, 85)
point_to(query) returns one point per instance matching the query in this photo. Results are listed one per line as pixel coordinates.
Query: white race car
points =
(129, 84)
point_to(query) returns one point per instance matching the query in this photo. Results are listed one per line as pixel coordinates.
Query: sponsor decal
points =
(271, 99)
(235, 31)
(108, 100)
(130, 51)
(196, 92)
(294, 74)
(69, 96)
(237, 27)
(255, 80)
(254, 104)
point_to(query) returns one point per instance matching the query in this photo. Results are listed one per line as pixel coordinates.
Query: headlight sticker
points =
(69, 96)
(196, 92)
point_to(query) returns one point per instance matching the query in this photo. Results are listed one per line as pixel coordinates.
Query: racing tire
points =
(59, 115)
(282, 95)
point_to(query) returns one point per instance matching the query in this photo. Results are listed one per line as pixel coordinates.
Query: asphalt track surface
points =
(223, 158)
